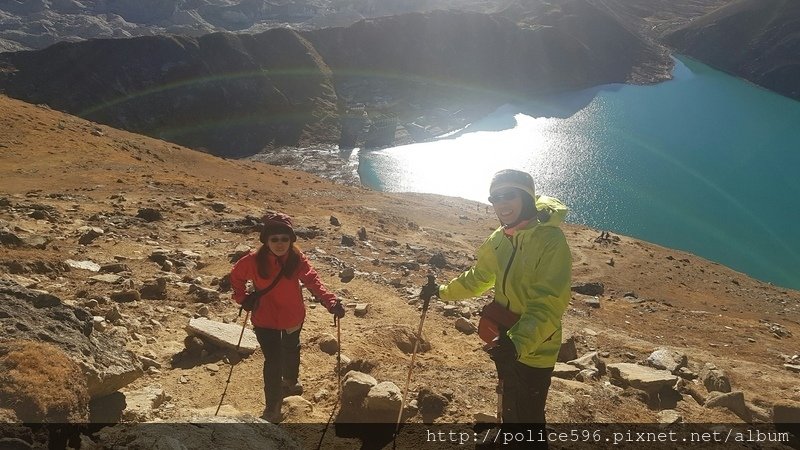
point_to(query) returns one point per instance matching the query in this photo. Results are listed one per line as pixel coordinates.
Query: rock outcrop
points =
(27, 314)
(41, 384)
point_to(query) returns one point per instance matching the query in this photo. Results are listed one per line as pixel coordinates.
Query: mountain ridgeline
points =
(758, 40)
(238, 94)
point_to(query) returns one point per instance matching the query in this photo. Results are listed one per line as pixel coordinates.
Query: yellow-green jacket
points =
(531, 273)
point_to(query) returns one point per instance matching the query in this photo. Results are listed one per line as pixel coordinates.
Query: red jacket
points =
(282, 307)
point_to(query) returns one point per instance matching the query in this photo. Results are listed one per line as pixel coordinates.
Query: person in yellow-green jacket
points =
(528, 263)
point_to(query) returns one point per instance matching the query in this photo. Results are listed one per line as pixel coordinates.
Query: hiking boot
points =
(272, 415)
(290, 388)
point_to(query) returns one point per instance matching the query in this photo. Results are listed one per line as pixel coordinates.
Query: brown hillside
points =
(80, 173)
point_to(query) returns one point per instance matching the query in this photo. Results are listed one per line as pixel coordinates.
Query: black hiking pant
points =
(524, 396)
(525, 393)
(281, 361)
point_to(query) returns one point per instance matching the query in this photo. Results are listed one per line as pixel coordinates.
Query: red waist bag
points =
(494, 316)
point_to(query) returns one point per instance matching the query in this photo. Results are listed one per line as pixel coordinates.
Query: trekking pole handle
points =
(427, 301)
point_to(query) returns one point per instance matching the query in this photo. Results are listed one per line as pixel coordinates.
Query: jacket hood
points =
(551, 211)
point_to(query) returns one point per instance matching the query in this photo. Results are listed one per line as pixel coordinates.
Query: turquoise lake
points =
(705, 162)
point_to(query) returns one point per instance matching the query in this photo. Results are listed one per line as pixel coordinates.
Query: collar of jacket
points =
(509, 231)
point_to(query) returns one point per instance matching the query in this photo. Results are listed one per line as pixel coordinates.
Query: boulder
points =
(666, 359)
(154, 289)
(41, 383)
(714, 379)
(733, 401)
(296, 409)
(590, 361)
(568, 351)
(356, 386)
(404, 337)
(125, 296)
(361, 309)
(430, 404)
(465, 326)
(347, 274)
(640, 377)
(587, 375)
(565, 371)
(384, 398)
(149, 214)
(89, 235)
(26, 314)
(139, 404)
(224, 335)
(328, 344)
(591, 289)
(203, 295)
(358, 365)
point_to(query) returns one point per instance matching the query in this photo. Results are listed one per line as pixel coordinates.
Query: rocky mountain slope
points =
(757, 50)
(755, 40)
(118, 238)
(237, 94)
(36, 24)
(230, 93)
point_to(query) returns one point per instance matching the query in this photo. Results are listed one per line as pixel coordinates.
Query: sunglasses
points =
(276, 239)
(503, 197)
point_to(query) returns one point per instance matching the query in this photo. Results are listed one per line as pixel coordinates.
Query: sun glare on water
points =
(463, 166)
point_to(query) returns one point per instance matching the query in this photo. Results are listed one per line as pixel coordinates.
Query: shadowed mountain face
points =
(758, 40)
(229, 93)
(580, 46)
(237, 94)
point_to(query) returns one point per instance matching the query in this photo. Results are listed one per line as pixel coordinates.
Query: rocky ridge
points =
(238, 94)
(142, 251)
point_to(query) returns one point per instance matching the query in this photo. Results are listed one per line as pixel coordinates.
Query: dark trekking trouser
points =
(281, 361)
(524, 396)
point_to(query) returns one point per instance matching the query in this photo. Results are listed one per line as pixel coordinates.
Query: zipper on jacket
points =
(508, 267)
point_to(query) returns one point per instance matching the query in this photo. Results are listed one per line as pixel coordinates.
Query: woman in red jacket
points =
(279, 313)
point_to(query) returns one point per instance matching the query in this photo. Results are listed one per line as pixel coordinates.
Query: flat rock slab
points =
(640, 377)
(106, 278)
(85, 265)
(224, 335)
(565, 371)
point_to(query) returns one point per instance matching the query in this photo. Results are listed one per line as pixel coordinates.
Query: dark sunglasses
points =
(503, 197)
(276, 239)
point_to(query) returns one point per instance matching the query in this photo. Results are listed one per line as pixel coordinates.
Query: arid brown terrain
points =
(59, 173)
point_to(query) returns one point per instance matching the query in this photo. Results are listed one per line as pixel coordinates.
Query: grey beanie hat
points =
(513, 178)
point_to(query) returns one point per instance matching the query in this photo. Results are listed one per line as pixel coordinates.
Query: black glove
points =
(250, 302)
(429, 290)
(504, 354)
(337, 309)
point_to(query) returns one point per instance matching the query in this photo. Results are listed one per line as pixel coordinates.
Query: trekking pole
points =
(337, 322)
(230, 374)
(425, 303)
(499, 389)
(339, 354)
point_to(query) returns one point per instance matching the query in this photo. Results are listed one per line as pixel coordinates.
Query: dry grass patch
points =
(41, 384)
